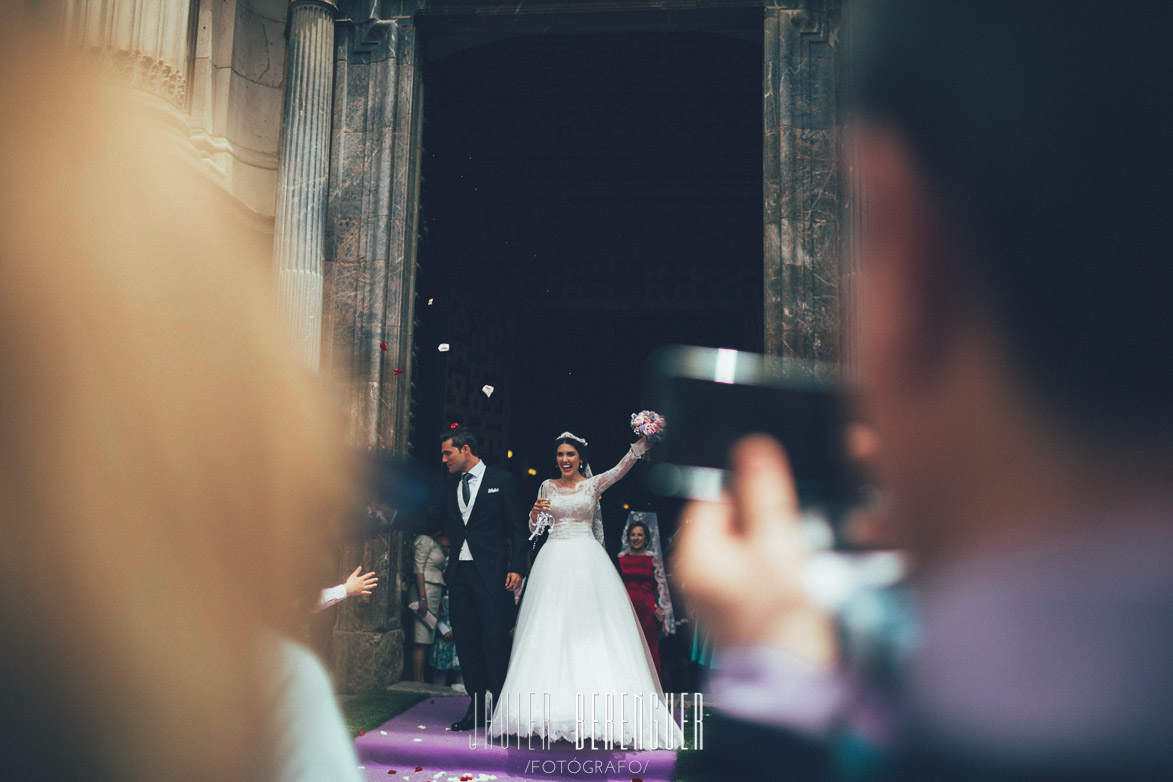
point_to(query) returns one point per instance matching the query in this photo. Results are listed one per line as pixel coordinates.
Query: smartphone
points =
(713, 397)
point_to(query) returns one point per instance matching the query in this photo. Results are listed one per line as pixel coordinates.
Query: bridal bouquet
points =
(648, 424)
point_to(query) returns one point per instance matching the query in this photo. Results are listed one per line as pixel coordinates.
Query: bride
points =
(580, 667)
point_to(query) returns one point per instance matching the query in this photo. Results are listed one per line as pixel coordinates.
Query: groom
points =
(483, 513)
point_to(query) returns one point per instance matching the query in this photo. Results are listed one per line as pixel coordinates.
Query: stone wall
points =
(238, 79)
(802, 205)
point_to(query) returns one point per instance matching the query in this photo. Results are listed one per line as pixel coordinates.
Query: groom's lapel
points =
(478, 505)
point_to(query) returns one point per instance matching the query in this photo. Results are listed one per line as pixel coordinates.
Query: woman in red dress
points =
(638, 565)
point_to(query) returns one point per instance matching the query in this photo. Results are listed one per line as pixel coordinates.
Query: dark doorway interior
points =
(584, 200)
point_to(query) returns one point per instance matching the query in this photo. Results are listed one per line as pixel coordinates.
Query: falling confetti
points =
(454, 425)
(487, 390)
(444, 347)
(362, 733)
(430, 302)
(398, 371)
(382, 346)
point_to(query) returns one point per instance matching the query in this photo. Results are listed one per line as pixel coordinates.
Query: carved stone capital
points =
(373, 40)
(137, 69)
(329, 6)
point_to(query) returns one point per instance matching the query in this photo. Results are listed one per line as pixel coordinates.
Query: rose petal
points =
(362, 733)
(382, 346)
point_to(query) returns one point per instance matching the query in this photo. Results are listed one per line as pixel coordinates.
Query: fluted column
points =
(143, 42)
(303, 164)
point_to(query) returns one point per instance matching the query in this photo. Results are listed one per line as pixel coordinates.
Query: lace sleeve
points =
(604, 480)
(597, 525)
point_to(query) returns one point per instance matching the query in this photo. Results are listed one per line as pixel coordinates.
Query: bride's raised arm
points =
(637, 449)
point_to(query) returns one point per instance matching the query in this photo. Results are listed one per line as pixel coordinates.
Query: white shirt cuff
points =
(766, 685)
(329, 597)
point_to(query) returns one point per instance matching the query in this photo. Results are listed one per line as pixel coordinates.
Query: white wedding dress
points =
(578, 643)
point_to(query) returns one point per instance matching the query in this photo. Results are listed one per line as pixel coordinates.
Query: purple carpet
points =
(419, 738)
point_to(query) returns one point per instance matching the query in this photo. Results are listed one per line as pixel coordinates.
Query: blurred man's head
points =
(1018, 290)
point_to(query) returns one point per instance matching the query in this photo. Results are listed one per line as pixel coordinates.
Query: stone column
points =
(802, 213)
(303, 165)
(370, 295)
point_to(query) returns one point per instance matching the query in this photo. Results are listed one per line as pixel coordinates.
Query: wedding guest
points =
(1016, 328)
(641, 563)
(167, 472)
(429, 556)
(357, 583)
(445, 663)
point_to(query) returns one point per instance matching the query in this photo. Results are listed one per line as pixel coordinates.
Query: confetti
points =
(430, 302)
(362, 733)
(444, 347)
(488, 390)
(422, 727)
(382, 346)
(417, 739)
(398, 371)
(419, 768)
(454, 425)
(382, 733)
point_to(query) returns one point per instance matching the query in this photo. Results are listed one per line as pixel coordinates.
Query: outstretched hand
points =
(358, 583)
(753, 529)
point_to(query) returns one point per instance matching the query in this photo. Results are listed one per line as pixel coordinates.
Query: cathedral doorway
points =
(585, 198)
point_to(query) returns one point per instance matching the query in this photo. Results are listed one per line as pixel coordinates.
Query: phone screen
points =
(706, 416)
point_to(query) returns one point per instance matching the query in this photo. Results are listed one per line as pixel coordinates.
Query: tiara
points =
(569, 436)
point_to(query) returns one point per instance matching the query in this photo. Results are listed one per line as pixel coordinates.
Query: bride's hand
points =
(542, 505)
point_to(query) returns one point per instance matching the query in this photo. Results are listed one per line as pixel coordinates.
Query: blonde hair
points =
(169, 477)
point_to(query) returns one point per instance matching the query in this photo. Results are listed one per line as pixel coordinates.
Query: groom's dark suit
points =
(479, 605)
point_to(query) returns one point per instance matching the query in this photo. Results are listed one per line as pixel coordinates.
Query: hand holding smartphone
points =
(714, 397)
